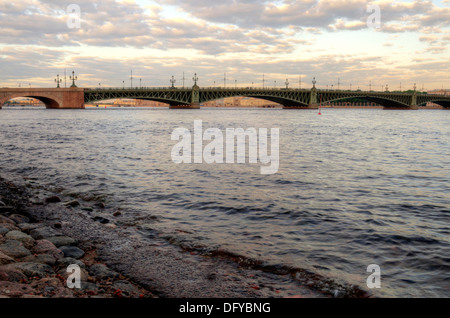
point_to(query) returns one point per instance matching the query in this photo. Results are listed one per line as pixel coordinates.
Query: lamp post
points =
(195, 79)
(173, 81)
(73, 78)
(57, 80)
(287, 83)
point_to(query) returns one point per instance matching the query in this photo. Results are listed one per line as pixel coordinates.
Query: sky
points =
(338, 42)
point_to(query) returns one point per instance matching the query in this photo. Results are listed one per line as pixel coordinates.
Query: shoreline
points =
(151, 265)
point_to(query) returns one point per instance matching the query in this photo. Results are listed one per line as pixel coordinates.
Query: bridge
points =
(192, 98)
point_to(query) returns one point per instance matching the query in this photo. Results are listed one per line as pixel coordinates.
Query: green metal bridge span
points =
(192, 98)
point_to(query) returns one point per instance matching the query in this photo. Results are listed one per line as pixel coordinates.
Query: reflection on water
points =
(355, 187)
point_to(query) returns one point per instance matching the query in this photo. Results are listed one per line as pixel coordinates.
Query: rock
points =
(102, 272)
(44, 233)
(87, 209)
(116, 214)
(3, 230)
(89, 287)
(72, 251)
(5, 259)
(12, 275)
(13, 289)
(26, 240)
(28, 227)
(32, 269)
(53, 199)
(41, 258)
(10, 227)
(2, 203)
(62, 241)
(5, 220)
(73, 203)
(66, 262)
(126, 287)
(46, 282)
(14, 249)
(18, 218)
(47, 247)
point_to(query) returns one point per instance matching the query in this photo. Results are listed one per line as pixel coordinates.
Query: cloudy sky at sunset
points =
(326, 39)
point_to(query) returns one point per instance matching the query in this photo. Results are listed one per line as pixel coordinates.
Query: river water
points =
(355, 187)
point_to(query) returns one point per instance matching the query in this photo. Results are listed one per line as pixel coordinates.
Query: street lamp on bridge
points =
(73, 78)
(195, 79)
(58, 81)
(173, 81)
(287, 83)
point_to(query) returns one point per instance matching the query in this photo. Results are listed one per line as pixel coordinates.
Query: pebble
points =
(14, 249)
(72, 251)
(19, 218)
(126, 287)
(103, 272)
(44, 233)
(5, 220)
(67, 261)
(25, 239)
(5, 259)
(47, 247)
(62, 241)
(32, 269)
(3, 230)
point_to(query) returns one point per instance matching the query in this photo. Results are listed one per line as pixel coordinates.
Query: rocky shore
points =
(34, 258)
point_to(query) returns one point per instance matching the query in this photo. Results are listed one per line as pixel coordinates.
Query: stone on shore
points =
(18, 218)
(3, 230)
(67, 261)
(41, 258)
(62, 241)
(44, 233)
(14, 249)
(126, 287)
(28, 227)
(13, 289)
(26, 240)
(102, 272)
(32, 269)
(47, 247)
(6, 220)
(5, 259)
(72, 251)
(12, 275)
